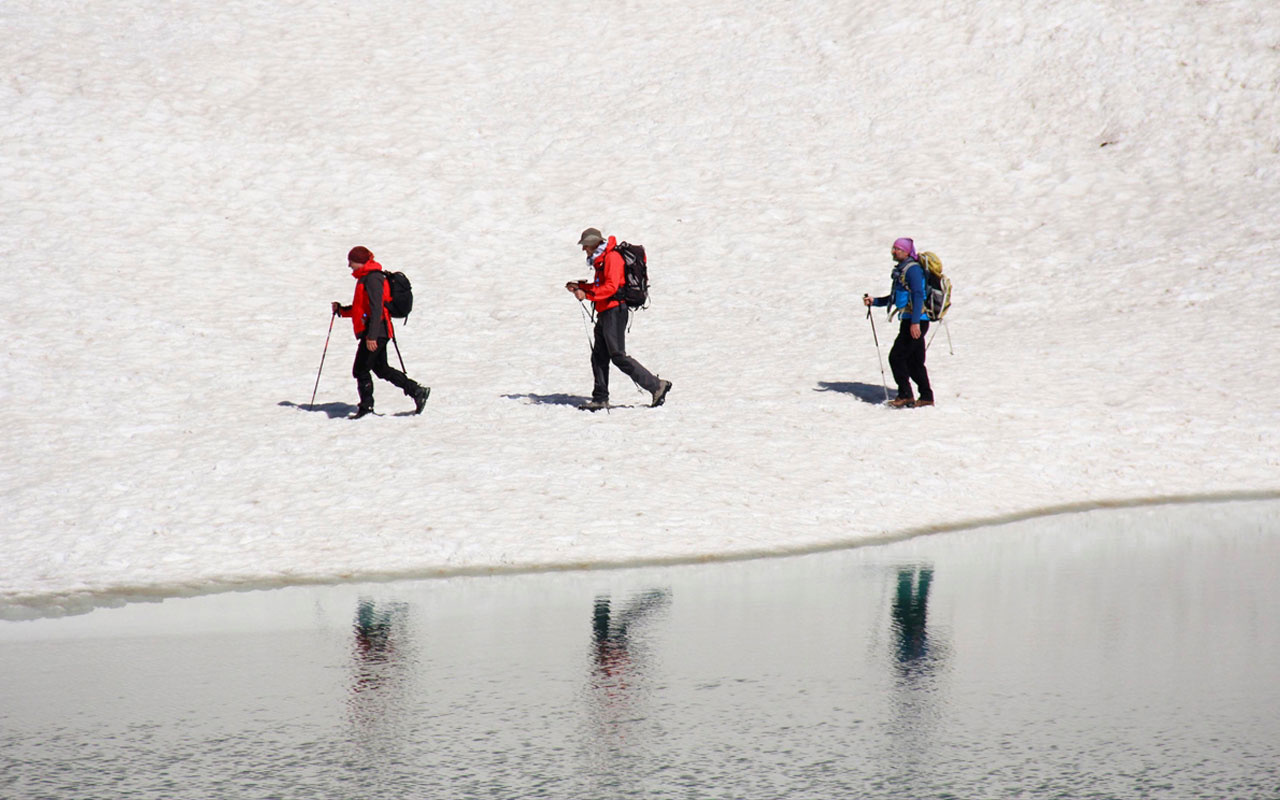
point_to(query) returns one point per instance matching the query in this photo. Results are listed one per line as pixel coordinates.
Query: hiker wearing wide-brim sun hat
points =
(371, 321)
(591, 237)
(609, 343)
(907, 296)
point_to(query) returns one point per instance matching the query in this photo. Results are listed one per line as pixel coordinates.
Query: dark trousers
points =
(376, 363)
(610, 347)
(906, 359)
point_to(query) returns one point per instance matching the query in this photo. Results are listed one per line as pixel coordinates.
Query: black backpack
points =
(635, 288)
(401, 302)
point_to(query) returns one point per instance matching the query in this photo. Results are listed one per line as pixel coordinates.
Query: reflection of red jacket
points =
(610, 275)
(368, 279)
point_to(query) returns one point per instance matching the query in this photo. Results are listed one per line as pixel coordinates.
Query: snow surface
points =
(181, 182)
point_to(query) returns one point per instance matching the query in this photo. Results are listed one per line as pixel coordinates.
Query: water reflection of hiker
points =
(906, 358)
(372, 323)
(376, 641)
(372, 632)
(611, 322)
(611, 635)
(910, 619)
(380, 699)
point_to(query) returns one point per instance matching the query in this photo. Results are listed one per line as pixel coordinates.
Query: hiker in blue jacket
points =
(906, 296)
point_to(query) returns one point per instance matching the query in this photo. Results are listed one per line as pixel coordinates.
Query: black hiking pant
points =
(368, 364)
(610, 347)
(906, 359)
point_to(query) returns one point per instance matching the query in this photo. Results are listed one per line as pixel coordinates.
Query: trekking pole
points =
(883, 381)
(935, 333)
(312, 405)
(397, 344)
(586, 324)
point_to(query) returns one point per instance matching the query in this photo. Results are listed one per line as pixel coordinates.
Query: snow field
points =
(181, 185)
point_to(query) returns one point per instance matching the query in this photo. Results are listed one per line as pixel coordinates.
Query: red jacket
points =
(367, 279)
(610, 276)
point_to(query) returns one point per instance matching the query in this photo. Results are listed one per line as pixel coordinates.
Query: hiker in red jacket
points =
(611, 322)
(372, 324)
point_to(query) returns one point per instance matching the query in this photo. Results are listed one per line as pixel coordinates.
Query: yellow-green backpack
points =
(937, 294)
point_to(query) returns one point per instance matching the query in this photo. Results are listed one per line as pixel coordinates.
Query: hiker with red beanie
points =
(611, 322)
(372, 323)
(906, 358)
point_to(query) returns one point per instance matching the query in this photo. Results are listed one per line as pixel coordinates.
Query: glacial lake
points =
(1110, 654)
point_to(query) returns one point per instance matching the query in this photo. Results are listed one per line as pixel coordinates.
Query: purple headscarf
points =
(908, 245)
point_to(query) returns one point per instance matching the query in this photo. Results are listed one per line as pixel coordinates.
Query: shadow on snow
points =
(549, 399)
(866, 392)
(333, 410)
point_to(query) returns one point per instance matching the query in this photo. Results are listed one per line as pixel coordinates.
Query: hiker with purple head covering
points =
(906, 299)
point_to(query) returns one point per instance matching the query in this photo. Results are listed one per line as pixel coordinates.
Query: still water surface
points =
(1131, 654)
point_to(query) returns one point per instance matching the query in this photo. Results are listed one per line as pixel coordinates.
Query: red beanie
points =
(360, 255)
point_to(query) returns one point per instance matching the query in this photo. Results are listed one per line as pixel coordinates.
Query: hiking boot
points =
(922, 403)
(594, 405)
(420, 398)
(361, 411)
(902, 402)
(660, 394)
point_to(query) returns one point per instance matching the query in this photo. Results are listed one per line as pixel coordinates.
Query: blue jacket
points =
(907, 294)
